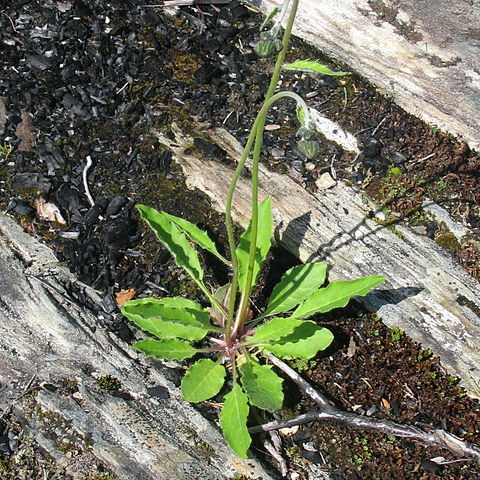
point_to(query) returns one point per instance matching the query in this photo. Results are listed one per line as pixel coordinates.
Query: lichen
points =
(69, 384)
(102, 476)
(389, 14)
(28, 462)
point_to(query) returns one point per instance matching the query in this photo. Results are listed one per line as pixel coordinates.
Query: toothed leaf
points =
(166, 349)
(262, 245)
(336, 295)
(222, 295)
(306, 340)
(262, 385)
(273, 330)
(300, 115)
(269, 17)
(312, 66)
(176, 242)
(233, 419)
(295, 286)
(159, 318)
(196, 235)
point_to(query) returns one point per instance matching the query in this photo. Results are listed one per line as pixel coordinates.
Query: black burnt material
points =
(92, 79)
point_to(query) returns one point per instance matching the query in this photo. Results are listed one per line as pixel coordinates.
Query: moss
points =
(184, 65)
(424, 354)
(187, 288)
(109, 383)
(3, 466)
(28, 462)
(60, 431)
(70, 384)
(394, 172)
(293, 451)
(389, 224)
(448, 241)
(396, 334)
(102, 476)
(302, 364)
(469, 256)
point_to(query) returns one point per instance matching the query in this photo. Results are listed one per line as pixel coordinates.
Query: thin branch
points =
(436, 437)
(378, 126)
(317, 397)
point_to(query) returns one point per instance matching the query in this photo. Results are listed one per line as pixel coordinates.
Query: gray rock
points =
(47, 339)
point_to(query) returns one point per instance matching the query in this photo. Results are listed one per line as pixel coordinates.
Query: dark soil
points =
(94, 78)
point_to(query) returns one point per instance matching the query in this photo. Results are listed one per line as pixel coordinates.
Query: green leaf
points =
(336, 295)
(269, 17)
(203, 380)
(273, 330)
(201, 314)
(312, 66)
(157, 317)
(166, 349)
(146, 307)
(305, 341)
(196, 235)
(296, 285)
(262, 385)
(233, 419)
(263, 243)
(300, 115)
(222, 295)
(176, 242)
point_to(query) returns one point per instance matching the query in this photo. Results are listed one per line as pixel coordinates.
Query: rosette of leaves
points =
(182, 328)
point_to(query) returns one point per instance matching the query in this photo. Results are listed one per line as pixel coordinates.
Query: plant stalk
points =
(259, 127)
(254, 134)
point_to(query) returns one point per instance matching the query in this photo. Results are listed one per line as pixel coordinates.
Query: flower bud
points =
(310, 148)
(308, 144)
(268, 45)
(307, 133)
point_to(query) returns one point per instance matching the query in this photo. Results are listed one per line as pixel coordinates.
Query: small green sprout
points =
(6, 149)
(396, 334)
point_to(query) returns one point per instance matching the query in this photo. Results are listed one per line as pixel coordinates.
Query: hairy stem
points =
(281, 55)
(230, 236)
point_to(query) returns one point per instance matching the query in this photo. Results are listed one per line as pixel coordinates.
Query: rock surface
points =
(426, 55)
(123, 414)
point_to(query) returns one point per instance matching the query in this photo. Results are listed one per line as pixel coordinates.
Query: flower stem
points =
(255, 135)
(258, 126)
